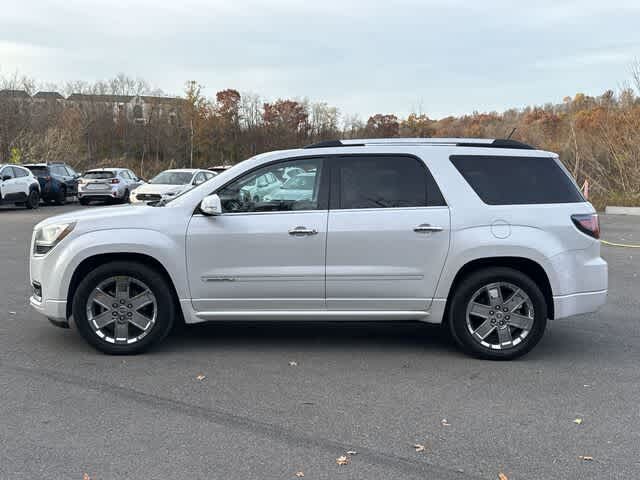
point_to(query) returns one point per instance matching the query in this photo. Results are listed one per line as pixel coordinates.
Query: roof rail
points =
(457, 142)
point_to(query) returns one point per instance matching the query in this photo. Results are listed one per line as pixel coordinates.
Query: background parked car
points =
(219, 168)
(107, 185)
(258, 187)
(58, 181)
(19, 186)
(170, 183)
(298, 188)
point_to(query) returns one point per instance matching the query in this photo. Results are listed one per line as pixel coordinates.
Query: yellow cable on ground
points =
(611, 244)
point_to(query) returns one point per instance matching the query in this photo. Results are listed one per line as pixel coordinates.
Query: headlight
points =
(48, 237)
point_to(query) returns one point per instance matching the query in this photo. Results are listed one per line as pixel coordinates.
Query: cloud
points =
(450, 56)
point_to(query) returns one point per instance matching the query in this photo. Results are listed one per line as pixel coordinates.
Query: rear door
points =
(388, 234)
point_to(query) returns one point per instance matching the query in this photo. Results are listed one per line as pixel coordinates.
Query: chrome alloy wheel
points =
(500, 316)
(121, 310)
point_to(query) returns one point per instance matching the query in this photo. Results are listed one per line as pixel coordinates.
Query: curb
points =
(622, 210)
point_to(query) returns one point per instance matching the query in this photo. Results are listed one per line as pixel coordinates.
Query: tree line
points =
(597, 137)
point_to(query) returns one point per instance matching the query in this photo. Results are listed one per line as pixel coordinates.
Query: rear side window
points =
(502, 180)
(383, 182)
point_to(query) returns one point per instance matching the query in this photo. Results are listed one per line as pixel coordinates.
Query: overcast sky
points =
(438, 56)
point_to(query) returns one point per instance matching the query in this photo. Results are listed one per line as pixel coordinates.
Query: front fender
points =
(167, 250)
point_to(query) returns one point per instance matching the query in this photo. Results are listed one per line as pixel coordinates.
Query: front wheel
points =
(497, 314)
(122, 308)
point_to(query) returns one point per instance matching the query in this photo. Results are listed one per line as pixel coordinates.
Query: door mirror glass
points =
(211, 205)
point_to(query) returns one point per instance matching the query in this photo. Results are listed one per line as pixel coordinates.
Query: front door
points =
(388, 234)
(261, 254)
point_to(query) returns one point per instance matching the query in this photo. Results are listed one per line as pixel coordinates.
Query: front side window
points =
(19, 172)
(262, 191)
(383, 182)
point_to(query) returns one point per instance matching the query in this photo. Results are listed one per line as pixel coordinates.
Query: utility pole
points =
(191, 155)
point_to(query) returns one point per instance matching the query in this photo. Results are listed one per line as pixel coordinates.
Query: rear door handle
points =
(300, 231)
(425, 228)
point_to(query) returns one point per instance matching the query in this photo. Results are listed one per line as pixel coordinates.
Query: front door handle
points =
(426, 228)
(300, 231)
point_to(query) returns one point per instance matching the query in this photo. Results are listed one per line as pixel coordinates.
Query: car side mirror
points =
(6, 177)
(211, 205)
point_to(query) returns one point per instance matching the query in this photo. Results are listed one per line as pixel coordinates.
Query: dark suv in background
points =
(58, 181)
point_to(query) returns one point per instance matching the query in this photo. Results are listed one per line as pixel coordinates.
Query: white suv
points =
(489, 237)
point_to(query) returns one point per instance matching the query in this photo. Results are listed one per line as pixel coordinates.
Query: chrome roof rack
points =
(455, 142)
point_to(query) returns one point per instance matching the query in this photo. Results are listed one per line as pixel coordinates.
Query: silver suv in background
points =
(107, 185)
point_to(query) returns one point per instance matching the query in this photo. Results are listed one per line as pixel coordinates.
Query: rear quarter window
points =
(504, 180)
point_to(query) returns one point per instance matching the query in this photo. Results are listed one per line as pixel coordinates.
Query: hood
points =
(125, 214)
(161, 189)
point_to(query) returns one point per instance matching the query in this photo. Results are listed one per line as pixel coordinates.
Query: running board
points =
(329, 315)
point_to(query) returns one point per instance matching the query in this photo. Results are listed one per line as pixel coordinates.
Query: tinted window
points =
(384, 182)
(199, 179)
(99, 175)
(169, 177)
(517, 180)
(254, 193)
(19, 172)
(39, 171)
(71, 172)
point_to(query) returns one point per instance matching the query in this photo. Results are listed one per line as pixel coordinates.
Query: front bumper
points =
(54, 310)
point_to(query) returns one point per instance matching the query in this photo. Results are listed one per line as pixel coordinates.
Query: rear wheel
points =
(83, 201)
(125, 197)
(122, 308)
(497, 314)
(33, 200)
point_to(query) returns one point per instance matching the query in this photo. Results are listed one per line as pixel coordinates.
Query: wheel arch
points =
(525, 265)
(95, 261)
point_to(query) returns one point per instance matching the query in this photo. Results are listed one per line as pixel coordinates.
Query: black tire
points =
(83, 201)
(33, 200)
(125, 198)
(464, 293)
(61, 197)
(157, 284)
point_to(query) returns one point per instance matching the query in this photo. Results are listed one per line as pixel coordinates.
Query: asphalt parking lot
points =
(281, 398)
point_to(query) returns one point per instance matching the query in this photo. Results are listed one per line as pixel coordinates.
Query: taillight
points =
(587, 223)
(115, 180)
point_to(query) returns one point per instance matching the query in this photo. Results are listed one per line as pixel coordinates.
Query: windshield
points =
(172, 178)
(101, 175)
(300, 183)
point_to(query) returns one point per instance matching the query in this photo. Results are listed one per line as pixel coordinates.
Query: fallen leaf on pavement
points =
(502, 476)
(293, 364)
(445, 423)
(299, 474)
(419, 447)
(201, 377)
(578, 421)
(586, 458)
(342, 460)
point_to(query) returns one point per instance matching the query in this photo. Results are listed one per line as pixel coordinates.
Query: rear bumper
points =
(578, 303)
